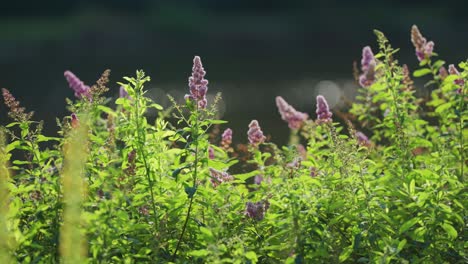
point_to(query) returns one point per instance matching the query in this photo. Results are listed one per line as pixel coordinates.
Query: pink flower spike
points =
(323, 112)
(226, 139)
(123, 93)
(423, 48)
(211, 153)
(368, 63)
(362, 138)
(367, 58)
(218, 177)
(294, 118)
(255, 133)
(198, 86)
(81, 90)
(453, 70)
(256, 211)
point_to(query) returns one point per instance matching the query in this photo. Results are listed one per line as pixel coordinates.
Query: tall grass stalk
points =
(5, 256)
(72, 240)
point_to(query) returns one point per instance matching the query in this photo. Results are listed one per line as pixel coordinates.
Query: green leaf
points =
(106, 110)
(443, 107)
(412, 187)
(450, 230)
(216, 121)
(408, 224)
(345, 254)
(156, 106)
(245, 176)
(13, 145)
(42, 138)
(401, 245)
(421, 72)
(252, 256)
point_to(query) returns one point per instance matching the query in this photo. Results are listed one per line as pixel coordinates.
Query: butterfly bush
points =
(218, 177)
(198, 85)
(443, 73)
(211, 153)
(158, 183)
(362, 138)
(257, 210)
(255, 133)
(123, 93)
(81, 90)
(226, 139)
(423, 48)
(453, 70)
(16, 112)
(368, 63)
(294, 118)
(323, 112)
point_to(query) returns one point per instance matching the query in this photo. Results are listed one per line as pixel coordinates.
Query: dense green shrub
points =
(119, 187)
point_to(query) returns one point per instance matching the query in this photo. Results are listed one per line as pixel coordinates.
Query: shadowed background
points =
(252, 50)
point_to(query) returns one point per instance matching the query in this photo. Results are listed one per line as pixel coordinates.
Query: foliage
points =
(119, 187)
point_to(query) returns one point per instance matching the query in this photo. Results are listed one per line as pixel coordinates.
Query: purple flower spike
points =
(258, 179)
(313, 172)
(197, 84)
(218, 177)
(255, 133)
(226, 139)
(443, 73)
(368, 63)
(123, 93)
(211, 153)
(453, 70)
(367, 58)
(294, 118)
(81, 90)
(323, 112)
(256, 211)
(362, 138)
(423, 48)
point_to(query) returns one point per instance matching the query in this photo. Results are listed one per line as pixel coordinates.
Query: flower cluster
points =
(218, 177)
(226, 139)
(256, 211)
(313, 172)
(294, 118)
(407, 82)
(295, 164)
(323, 112)
(197, 84)
(81, 90)
(368, 63)
(443, 73)
(16, 111)
(255, 133)
(362, 139)
(453, 70)
(211, 153)
(131, 163)
(123, 93)
(423, 48)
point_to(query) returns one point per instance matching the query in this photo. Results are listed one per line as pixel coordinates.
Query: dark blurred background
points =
(252, 50)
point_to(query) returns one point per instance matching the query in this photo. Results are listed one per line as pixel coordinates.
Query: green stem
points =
(141, 141)
(462, 151)
(195, 174)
